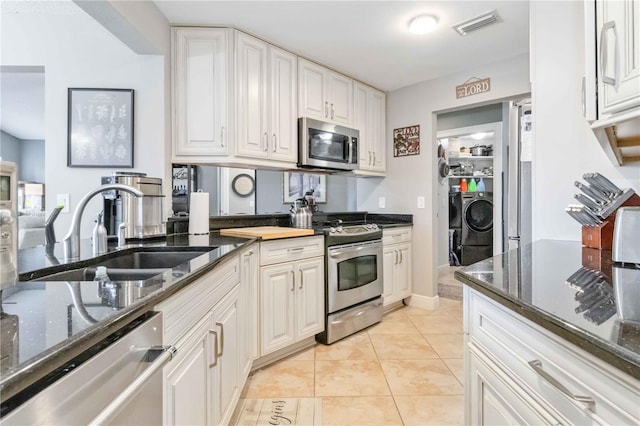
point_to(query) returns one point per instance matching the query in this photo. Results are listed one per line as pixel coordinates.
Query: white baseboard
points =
(424, 302)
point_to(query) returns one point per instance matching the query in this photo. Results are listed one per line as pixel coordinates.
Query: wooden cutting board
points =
(267, 232)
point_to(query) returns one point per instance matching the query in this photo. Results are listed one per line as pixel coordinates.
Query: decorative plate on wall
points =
(243, 185)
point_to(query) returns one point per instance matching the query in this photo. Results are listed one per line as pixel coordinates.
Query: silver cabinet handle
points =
(374, 159)
(215, 348)
(249, 253)
(301, 278)
(295, 249)
(395, 252)
(222, 136)
(266, 142)
(332, 111)
(275, 140)
(536, 364)
(219, 324)
(293, 280)
(326, 109)
(611, 25)
(369, 158)
(400, 251)
(125, 396)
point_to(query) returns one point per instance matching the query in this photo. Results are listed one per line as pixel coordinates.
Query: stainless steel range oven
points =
(353, 280)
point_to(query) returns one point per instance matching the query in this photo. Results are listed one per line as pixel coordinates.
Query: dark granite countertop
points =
(547, 283)
(48, 326)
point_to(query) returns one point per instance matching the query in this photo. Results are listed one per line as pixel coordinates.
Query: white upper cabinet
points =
(266, 100)
(200, 78)
(611, 88)
(369, 118)
(324, 94)
(618, 41)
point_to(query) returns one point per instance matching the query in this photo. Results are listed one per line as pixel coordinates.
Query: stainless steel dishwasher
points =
(121, 384)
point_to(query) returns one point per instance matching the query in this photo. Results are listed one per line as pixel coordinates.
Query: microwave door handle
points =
(350, 150)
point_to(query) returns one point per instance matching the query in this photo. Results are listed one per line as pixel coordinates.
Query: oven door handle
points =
(339, 253)
(125, 396)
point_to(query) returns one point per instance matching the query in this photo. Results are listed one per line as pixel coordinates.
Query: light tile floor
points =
(406, 370)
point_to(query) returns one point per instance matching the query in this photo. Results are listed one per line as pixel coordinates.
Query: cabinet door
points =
(618, 24)
(311, 91)
(389, 259)
(249, 270)
(402, 272)
(251, 96)
(494, 399)
(283, 134)
(186, 396)
(376, 128)
(340, 98)
(309, 297)
(225, 370)
(200, 75)
(277, 294)
(361, 122)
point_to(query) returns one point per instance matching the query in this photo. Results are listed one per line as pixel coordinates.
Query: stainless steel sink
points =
(150, 259)
(88, 274)
(131, 265)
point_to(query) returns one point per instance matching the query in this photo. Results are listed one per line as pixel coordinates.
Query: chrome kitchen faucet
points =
(71, 241)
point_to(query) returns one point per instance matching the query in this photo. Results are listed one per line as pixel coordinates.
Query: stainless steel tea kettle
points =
(301, 214)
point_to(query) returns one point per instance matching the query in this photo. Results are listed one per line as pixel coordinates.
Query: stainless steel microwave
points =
(327, 146)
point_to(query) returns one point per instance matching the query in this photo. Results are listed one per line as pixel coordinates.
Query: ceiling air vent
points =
(478, 22)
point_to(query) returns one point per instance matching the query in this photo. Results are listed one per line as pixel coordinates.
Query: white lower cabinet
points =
(225, 368)
(209, 322)
(186, 381)
(494, 399)
(249, 277)
(517, 372)
(396, 264)
(292, 303)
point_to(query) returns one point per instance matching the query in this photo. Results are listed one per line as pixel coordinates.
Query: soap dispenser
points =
(99, 237)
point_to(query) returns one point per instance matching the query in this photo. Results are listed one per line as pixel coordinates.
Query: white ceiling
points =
(369, 40)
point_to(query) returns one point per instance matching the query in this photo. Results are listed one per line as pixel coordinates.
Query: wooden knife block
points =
(601, 237)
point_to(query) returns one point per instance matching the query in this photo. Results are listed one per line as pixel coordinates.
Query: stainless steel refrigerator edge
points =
(517, 191)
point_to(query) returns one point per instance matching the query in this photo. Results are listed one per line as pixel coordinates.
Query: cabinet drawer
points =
(514, 342)
(396, 235)
(290, 249)
(182, 310)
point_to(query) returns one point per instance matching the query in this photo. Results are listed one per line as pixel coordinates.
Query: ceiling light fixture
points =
(487, 18)
(423, 24)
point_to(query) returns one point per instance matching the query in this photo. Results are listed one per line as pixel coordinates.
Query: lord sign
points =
(473, 87)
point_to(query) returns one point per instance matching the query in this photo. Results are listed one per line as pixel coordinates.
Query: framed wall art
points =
(297, 184)
(100, 128)
(406, 141)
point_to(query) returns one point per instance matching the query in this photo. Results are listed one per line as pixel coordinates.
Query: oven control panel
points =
(354, 229)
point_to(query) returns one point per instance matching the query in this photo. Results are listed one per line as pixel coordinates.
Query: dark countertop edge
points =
(56, 356)
(585, 341)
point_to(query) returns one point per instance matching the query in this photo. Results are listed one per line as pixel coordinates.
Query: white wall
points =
(78, 52)
(564, 146)
(413, 176)
(32, 163)
(9, 148)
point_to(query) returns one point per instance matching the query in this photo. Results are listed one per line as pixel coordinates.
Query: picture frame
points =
(406, 141)
(100, 127)
(297, 184)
